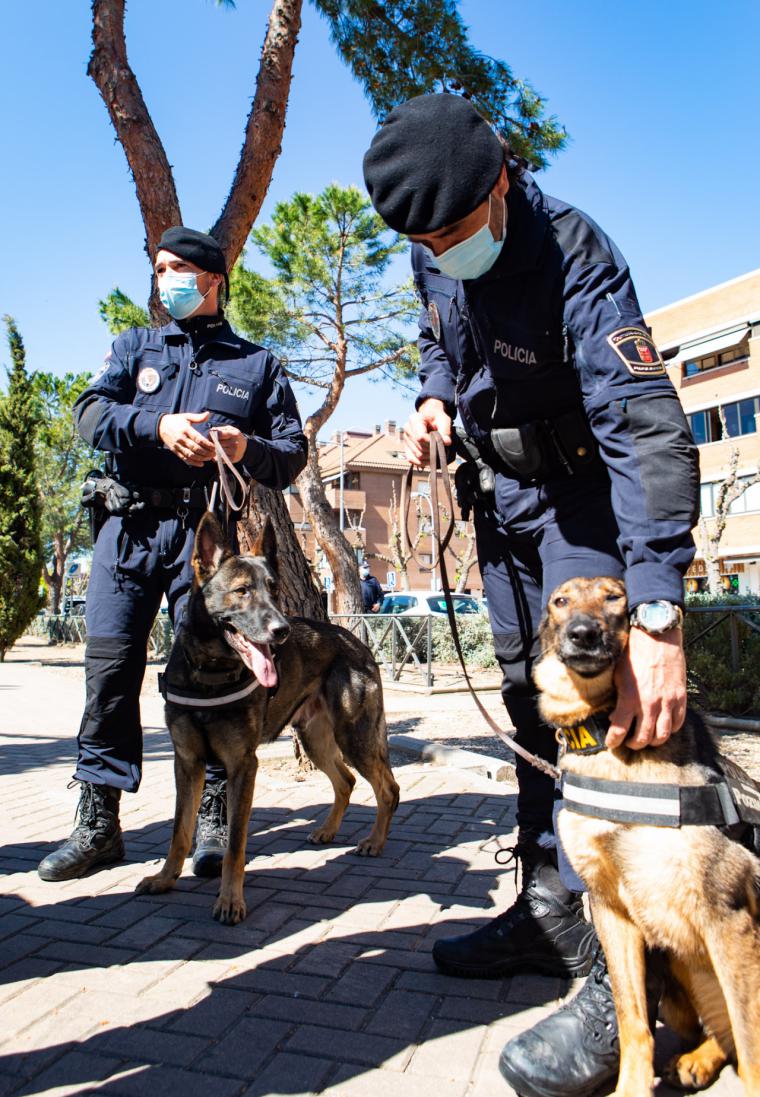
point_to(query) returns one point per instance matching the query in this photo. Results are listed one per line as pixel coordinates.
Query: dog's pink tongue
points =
(258, 658)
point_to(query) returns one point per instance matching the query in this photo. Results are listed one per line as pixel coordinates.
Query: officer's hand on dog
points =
(178, 435)
(430, 415)
(233, 442)
(651, 688)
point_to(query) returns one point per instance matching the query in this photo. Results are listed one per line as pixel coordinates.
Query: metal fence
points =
(734, 616)
(401, 643)
(397, 642)
(70, 628)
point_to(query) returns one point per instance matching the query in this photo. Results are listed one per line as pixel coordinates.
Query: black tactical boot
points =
(575, 1050)
(95, 840)
(211, 831)
(543, 931)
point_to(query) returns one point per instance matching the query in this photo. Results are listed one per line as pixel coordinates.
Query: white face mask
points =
(474, 256)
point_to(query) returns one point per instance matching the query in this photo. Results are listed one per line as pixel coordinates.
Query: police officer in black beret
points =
(149, 409)
(531, 333)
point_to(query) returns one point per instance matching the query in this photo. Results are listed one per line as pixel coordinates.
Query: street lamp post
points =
(424, 495)
(341, 519)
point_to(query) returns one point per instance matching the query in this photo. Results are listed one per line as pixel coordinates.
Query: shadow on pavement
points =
(340, 1005)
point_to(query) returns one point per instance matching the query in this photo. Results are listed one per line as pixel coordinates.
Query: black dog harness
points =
(245, 684)
(733, 797)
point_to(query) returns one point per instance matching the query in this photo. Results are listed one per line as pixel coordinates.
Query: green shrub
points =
(713, 682)
(474, 636)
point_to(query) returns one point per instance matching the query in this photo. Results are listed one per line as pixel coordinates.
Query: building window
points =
(712, 361)
(351, 481)
(741, 419)
(747, 503)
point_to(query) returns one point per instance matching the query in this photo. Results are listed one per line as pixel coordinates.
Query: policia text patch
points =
(635, 347)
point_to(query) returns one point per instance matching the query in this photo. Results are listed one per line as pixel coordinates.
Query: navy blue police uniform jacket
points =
(150, 372)
(555, 327)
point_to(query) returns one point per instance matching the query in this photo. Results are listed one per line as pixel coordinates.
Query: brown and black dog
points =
(691, 891)
(308, 673)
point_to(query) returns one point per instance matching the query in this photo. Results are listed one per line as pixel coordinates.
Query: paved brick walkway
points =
(327, 987)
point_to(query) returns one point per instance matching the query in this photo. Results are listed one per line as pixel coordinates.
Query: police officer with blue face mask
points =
(149, 409)
(583, 465)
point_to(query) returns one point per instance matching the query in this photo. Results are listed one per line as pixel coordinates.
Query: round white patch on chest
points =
(148, 379)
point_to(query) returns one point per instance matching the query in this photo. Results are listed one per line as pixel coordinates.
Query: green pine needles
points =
(20, 512)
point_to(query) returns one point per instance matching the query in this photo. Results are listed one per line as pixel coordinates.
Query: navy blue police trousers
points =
(135, 562)
(570, 532)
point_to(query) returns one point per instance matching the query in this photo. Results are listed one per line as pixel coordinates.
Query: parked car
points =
(418, 603)
(74, 605)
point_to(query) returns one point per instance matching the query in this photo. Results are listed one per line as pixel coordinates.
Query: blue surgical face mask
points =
(474, 256)
(179, 294)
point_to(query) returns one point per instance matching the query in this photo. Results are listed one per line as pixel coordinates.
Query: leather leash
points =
(439, 467)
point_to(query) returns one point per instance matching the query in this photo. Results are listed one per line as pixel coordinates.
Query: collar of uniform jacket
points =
(527, 226)
(172, 332)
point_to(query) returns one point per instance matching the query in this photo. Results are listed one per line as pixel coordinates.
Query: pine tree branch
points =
(118, 87)
(264, 129)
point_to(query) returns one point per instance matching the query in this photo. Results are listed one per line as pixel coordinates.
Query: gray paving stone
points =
(292, 1074)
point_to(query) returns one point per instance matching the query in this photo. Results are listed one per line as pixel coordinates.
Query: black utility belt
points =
(194, 498)
(101, 492)
(546, 448)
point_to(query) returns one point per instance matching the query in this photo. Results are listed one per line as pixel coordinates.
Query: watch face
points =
(656, 616)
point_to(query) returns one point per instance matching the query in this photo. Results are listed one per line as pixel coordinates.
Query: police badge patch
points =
(148, 379)
(435, 320)
(638, 352)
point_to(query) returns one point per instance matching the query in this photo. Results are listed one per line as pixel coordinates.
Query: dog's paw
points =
(368, 847)
(154, 885)
(230, 910)
(321, 836)
(692, 1070)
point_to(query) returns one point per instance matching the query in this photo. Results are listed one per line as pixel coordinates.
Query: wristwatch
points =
(657, 617)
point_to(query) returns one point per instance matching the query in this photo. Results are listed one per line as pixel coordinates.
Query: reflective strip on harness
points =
(210, 702)
(622, 802)
(650, 804)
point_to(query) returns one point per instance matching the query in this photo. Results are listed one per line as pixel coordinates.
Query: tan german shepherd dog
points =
(691, 891)
(311, 674)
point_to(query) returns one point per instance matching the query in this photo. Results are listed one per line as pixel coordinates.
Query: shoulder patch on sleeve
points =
(634, 346)
(103, 369)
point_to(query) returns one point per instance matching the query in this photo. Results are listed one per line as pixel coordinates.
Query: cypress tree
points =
(20, 512)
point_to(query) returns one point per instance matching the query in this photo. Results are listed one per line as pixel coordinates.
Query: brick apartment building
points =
(714, 337)
(371, 466)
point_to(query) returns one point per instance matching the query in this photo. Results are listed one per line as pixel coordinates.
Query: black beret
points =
(197, 247)
(433, 161)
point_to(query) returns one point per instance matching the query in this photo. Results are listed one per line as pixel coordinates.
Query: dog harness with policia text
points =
(724, 802)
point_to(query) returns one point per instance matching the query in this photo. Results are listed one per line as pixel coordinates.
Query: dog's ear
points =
(266, 544)
(210, 549)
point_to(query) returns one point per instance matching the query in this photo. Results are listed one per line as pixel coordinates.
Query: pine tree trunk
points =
(299, 595)
(329, 537)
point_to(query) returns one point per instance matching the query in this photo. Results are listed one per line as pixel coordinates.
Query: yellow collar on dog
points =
(586, 737)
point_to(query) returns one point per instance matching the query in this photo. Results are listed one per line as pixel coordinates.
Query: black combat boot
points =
(211, 831)
(577, 1049)
(543, 931)
(95, 840)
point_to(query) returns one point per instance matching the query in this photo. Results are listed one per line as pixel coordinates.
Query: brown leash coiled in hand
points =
(439, 467)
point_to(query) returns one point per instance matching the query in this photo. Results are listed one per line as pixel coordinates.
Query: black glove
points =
(120, 499)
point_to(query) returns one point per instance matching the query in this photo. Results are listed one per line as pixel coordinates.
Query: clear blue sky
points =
(661, 99)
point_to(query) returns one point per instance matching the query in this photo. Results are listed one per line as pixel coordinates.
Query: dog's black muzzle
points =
(587, 647)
